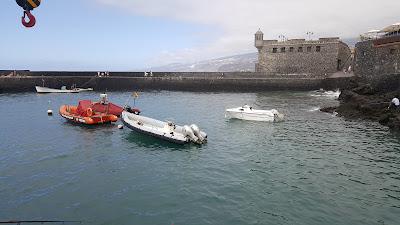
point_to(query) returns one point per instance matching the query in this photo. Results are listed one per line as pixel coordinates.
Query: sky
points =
(129, 35)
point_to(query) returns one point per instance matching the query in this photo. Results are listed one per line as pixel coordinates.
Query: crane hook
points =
(32, 20)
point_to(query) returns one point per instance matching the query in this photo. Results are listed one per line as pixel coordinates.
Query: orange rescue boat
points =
(84, 113)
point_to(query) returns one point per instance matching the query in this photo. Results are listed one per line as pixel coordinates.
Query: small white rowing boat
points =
(62, 90)
(164, 130)
(248, 113)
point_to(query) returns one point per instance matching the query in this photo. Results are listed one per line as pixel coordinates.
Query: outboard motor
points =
(277, 116)
(197, 132)
(189, 132)
(103, 98)
(132, 110)
(203, 134)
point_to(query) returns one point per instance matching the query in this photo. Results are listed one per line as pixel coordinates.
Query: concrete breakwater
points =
(24, 81)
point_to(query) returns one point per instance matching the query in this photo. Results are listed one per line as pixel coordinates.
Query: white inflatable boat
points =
(248, 113)
(62, 90)
(164, 130)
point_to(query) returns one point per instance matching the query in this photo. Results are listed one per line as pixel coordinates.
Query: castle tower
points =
(258, 39)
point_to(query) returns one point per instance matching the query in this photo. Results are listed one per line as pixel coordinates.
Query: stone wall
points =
(385, 83)
(14, 72)
(345, 56)
(172, 83)
(10, 73)
(318, 58)
(371, 62)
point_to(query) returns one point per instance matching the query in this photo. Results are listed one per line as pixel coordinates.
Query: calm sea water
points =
(314, 168)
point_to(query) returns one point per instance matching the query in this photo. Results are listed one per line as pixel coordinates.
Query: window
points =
(291, 49)
(392, 51)
(274, 50)
(300, 49)
(318, 49)
(283, 49)
(309, 49)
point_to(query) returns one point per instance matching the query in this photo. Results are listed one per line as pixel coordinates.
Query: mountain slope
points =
(244, 62)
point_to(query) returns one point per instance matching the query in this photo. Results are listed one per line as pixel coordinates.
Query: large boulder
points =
(394, 122)
(328, 109)
(364, 90)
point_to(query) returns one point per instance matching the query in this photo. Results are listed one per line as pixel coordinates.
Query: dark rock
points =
(363, 102)
(364, 90)
(346, 95)
(394, 122)
(328, 109)
(384, 119)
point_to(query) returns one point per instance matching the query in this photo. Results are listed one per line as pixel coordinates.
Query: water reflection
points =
(153, 143)
(86, 127)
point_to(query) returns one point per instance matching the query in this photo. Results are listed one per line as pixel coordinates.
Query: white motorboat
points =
(248, 113)
(62, 90)
(164, 130)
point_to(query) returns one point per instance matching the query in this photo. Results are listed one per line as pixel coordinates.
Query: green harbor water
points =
(312, 169)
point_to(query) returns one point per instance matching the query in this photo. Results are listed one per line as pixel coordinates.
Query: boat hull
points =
(70, 113)
(250, 116)
(248, 113)
(43, 90)
(153, 128)
(83, 89)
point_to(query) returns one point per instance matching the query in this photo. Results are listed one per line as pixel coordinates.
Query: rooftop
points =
(259, 32)
(388, 31)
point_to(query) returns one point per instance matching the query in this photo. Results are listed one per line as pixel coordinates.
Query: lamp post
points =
(309, 34)
(282, 37)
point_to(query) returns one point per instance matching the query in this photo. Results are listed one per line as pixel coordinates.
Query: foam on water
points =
(314, 109)
(329, 94)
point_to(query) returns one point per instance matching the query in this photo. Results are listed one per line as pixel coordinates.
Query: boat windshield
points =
(247, 107)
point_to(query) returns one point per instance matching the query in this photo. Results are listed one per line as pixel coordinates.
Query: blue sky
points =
(126, 35)
(80, 35)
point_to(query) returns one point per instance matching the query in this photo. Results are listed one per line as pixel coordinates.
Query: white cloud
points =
(239, 19)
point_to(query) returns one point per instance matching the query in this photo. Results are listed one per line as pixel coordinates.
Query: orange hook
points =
(31, 22)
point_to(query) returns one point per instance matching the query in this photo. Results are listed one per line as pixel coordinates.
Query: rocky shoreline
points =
(363, 101)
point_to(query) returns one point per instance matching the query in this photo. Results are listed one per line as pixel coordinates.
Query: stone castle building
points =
(378, 53)
(321, 57)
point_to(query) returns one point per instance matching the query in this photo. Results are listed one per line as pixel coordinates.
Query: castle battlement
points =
(303, 41)
(321, 57)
